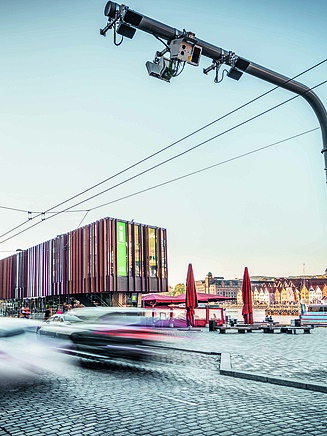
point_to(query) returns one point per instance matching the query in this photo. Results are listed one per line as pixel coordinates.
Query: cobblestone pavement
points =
(183, 394)
(299, 356)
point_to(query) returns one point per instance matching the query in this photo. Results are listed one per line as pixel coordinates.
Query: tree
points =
(179, 289)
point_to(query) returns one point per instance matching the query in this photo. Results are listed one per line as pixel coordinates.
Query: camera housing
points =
(159, 69)
(185, 51)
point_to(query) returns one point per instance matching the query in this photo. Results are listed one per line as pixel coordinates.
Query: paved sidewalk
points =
(299, 356)
(182, 395)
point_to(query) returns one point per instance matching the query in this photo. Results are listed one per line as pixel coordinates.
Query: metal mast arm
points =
(298, 88)
(130, 20)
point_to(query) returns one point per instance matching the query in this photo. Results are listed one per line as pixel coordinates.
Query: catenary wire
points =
(240, 156)
(158, 152)
(31, 218)
(15, 209)
(208, 167)
(40, 213)
(180, 154)
(193, 173)
(79, 225)
(194, 147)
(168, 160)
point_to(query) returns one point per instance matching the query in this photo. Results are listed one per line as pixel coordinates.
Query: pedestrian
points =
(47, 313)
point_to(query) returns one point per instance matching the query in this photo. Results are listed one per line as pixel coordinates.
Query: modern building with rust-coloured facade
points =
(110, 257)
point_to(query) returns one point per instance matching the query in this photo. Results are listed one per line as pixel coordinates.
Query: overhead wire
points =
(172, 158)
(79, 225)
(194, 147)
(184, 176)
(30, 218)
(160, 151)
(208, 167)
(15, 209)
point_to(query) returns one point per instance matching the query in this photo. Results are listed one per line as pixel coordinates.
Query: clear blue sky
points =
(75, 109)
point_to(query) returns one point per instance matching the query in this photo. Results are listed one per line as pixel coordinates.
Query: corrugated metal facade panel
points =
(8, 276)
(86, 261)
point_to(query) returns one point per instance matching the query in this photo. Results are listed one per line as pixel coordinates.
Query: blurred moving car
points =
(58, 326)
(117, 341)
(115, 315)
(124, 333)
(111, 333)
(22, 358)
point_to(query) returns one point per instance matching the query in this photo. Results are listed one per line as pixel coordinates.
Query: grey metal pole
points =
(168, 33)
(298, 88)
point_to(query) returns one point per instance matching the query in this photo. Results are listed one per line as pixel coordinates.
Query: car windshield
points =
(117, 316)
(64, 318)
(72, 318)
(120, 318)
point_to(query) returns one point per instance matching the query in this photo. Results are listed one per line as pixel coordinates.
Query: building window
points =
(137, 250)
(121, 249)
(163, 255)
(152, 252)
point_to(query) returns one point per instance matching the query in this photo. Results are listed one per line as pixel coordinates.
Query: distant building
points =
(219, 286)
(201, 286)
(269, 290)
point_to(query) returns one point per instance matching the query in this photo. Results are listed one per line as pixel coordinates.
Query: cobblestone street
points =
(184, 394)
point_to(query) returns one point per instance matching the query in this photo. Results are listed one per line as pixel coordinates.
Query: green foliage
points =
(178, 289)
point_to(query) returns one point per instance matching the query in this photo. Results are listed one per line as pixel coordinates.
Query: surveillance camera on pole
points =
(184, 48)
(180, 51)
(159, 69)
(186, 51)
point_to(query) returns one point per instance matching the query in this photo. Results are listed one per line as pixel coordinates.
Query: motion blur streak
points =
(24, 359)
(106, 333)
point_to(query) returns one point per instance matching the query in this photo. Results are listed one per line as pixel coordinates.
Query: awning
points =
(157, 299)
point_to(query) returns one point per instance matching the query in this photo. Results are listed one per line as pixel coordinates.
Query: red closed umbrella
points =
(191, 301)
(247, 310)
